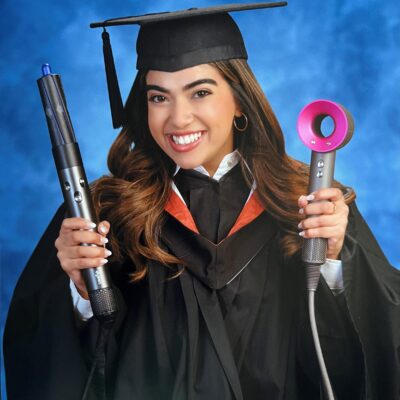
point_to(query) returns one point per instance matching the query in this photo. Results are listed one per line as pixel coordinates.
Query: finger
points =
(332, 242)
(327, 232)
(103, 228)
(69, 224)
(302, 201)
(88, 252)
(83, 263)
(320, 207)
(321, 221)
(334, 248)
(333, 194)
(74, 238)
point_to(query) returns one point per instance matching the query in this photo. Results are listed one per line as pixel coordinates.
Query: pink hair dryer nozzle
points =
(309, 126)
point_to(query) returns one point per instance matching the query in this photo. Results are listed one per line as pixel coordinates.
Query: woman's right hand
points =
(74, 257)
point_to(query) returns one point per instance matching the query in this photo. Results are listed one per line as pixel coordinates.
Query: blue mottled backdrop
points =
(347, 51)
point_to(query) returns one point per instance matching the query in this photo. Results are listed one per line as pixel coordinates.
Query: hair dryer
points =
(321, 176)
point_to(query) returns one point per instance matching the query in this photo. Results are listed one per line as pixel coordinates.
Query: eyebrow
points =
(186, 87)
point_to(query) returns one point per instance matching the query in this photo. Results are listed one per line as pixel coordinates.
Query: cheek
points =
(155, 123)
(224, 107)
(219, 114)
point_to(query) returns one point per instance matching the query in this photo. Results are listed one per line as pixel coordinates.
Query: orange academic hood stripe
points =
(177, 208)
(251, 210)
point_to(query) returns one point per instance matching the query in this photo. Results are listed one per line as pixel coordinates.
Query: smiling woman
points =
(190, 114)
(202, 210)
(174, 108)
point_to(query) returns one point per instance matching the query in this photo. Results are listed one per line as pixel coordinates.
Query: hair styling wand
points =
(321, 176)
(74, 185)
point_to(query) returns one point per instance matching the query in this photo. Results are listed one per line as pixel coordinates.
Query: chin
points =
(188, 164)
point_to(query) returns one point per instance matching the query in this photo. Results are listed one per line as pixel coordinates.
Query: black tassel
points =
(116, 105)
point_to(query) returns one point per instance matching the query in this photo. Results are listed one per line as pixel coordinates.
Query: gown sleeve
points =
(372, 291)
(360, 328)
(42, 351)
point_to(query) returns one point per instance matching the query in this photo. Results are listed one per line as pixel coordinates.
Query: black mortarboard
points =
(172, 41)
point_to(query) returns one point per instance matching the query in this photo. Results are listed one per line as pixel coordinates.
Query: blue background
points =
(346, 51)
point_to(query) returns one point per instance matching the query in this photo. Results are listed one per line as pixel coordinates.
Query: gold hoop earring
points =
(246, 123)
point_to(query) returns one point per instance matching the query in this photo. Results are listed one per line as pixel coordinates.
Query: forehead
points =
(183, 76)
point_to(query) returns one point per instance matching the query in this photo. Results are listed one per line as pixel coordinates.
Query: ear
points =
(238, 111)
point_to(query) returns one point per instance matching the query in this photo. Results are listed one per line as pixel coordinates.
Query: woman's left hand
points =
(327, 219)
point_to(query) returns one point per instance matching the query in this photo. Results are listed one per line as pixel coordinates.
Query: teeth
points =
(186, 139)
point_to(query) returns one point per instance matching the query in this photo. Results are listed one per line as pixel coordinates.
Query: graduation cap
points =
(172, 41)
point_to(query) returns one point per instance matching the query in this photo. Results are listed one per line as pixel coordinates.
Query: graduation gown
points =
(233, 325)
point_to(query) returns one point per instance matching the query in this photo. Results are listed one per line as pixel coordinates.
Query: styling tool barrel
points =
(74, 185)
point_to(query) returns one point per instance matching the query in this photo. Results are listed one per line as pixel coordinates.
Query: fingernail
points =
(301, 211)
(104, 240)
(299, 225)
(108, 253)
(310, 197)
(103, 229)
(91, 225)
(103, 261)
(302, 197)
(301, 233)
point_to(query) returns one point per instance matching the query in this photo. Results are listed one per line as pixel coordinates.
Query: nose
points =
(181, 114)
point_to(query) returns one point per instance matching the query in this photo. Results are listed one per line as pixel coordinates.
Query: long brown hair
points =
(133, 197)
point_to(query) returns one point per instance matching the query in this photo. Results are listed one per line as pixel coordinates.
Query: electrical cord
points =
(313, 274)
(324, 373)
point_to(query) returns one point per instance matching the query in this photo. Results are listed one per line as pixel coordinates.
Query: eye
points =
(201, 93)
(157, 98)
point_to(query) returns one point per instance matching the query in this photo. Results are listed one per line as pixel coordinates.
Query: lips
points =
(185, 141)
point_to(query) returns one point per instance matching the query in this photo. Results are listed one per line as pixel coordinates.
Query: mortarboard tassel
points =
(117, 108)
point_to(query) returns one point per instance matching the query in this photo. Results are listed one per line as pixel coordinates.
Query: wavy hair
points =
(134, 195)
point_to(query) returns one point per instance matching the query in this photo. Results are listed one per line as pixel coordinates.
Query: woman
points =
(202, 210)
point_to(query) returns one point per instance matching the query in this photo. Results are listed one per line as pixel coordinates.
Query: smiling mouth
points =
(186, 139)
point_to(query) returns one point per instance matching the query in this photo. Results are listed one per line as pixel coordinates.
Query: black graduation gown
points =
(233, 325)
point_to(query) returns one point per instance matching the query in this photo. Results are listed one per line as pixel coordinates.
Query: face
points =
(190, 115)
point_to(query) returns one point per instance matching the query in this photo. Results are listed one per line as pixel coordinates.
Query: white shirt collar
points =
(227, 163)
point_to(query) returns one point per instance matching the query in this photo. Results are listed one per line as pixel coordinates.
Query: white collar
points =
(227, 163)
